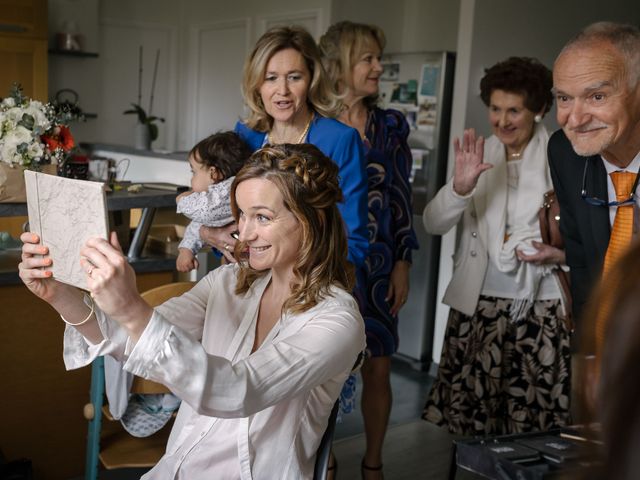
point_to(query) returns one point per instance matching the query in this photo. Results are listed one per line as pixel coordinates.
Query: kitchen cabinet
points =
(24, 61)
(23, 46)
(25, 17)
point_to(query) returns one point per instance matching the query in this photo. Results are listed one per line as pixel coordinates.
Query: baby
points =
(214, 163)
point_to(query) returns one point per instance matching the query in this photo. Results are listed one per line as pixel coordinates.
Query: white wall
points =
(203, 44)
(202, 47)
(410, 25)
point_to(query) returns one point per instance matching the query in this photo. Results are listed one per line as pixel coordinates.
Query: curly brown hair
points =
(308, 183)
(523, 76)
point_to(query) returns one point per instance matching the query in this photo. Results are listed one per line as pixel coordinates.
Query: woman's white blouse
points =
(243, 415)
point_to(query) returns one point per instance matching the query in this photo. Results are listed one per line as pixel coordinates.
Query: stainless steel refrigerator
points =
(420, 84)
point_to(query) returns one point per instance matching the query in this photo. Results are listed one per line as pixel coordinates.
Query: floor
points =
(414, 449)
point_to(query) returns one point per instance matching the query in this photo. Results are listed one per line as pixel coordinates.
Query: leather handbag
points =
(549, 218)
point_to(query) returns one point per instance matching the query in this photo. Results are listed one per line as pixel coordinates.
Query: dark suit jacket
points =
(585, 228)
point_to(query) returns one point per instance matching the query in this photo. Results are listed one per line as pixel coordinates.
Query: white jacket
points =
(481, 216)
(470, 260)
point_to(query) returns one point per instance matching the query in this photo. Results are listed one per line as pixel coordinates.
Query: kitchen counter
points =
(139, 166)
(119, 200)
(124, 149)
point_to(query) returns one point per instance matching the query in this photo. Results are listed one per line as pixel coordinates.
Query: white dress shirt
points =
(244, 415)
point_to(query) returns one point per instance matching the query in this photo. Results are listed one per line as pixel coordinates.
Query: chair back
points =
(161, 294)
(322, 457)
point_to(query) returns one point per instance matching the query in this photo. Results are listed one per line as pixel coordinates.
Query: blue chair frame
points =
(95, 424)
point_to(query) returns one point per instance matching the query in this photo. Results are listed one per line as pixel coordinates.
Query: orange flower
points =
(60, 138)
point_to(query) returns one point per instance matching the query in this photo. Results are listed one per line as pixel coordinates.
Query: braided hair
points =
(308, 183)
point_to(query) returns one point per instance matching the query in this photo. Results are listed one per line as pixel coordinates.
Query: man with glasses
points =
(595, 158)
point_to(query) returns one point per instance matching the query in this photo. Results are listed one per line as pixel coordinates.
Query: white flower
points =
(8, 102)
(41, 122)
(22, 123)
(12, 142)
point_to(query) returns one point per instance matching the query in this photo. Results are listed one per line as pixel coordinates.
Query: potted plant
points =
(146, 128)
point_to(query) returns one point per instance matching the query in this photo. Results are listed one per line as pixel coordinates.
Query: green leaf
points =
(153, 131)
(137, 109)
(27, 121)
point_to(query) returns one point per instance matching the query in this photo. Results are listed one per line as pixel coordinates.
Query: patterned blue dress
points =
(390, 224)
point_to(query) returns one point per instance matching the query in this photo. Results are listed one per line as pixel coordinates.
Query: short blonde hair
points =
(341, 47)
(308, 183)
(321, 97)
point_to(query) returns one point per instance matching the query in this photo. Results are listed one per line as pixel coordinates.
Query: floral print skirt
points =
(499, 377)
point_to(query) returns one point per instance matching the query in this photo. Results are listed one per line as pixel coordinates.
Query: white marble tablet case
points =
(65, 212)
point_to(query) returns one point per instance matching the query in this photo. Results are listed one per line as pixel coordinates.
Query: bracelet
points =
(85, 320)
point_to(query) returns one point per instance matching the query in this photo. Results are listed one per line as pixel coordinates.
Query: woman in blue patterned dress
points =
(351, 54)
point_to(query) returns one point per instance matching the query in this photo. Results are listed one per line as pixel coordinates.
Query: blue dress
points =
(390, 224)
(343, 145)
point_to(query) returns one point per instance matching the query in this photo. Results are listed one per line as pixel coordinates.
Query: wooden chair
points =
(110, 442)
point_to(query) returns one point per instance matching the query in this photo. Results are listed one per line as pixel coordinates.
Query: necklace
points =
(300, 138)
(515, 156)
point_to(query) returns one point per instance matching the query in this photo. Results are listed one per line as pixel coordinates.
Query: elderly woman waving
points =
(505, 365)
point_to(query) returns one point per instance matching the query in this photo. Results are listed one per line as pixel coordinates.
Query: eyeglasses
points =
(598, 202)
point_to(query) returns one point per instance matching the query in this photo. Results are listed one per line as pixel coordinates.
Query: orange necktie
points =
(619, 242)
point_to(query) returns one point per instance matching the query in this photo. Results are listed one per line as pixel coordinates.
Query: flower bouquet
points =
(33, 135)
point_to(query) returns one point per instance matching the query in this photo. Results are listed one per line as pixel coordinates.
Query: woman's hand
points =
(33, 269)
(220, 238)
(112, 283)
(469, 162)
(398, 286)
(546, 254)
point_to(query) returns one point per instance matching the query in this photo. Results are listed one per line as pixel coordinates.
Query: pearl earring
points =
(537, 118)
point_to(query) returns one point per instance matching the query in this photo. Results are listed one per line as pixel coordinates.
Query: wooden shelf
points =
(73, 53)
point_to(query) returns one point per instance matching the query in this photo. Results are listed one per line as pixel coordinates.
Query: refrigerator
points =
(420, 85)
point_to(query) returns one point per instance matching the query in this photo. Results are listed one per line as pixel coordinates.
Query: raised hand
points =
(469, 162)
